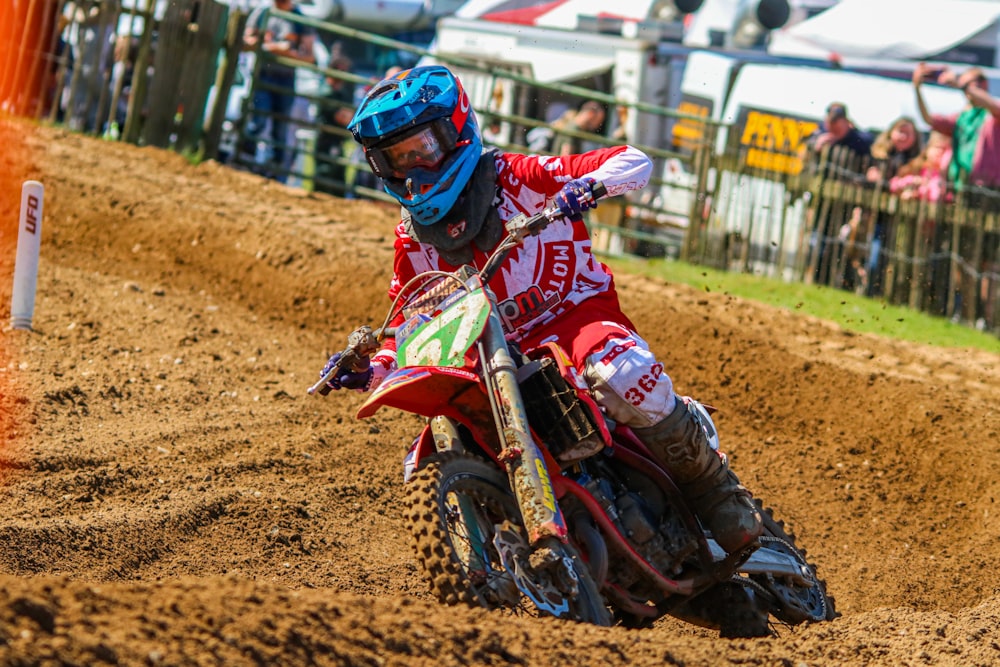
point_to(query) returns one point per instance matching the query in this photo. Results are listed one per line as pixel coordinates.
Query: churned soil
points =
(169, 493)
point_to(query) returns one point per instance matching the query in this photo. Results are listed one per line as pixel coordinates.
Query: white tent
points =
(900, 29)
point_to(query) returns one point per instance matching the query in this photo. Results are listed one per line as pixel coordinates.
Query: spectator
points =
(588, 118)
(925, 178)
(274, 91)
(838, 130)
(539, 139)
(847, 149)
(893, 148)
(975, 143)
(309, 85)
(973, 131)
(492, 130)
(854, 272)
(126, 53)
(338, 110)
(621, 131)
(90, 35)
(391, 72)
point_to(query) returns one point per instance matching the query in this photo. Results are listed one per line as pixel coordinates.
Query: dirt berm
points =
(171, 495)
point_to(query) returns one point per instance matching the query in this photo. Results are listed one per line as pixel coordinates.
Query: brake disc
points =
(541, 583)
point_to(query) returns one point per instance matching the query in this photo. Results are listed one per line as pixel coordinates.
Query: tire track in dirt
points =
(182, 313)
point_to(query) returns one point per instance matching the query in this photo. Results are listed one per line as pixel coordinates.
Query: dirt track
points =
(171, 495)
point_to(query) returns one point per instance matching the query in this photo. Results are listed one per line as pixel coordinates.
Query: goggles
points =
(425, 148)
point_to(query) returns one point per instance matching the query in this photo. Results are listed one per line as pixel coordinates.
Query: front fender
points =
(432, 391)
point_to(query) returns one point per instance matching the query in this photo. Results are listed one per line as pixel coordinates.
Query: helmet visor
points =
(426, 149)
(422, 149)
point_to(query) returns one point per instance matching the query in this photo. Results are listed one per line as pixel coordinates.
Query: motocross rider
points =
(421, 137)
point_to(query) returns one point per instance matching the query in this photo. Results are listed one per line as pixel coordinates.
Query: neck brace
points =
(473, 220)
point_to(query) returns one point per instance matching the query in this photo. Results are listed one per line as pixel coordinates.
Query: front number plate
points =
(444, 340)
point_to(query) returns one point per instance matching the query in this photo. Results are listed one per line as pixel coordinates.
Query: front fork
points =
(525, 463)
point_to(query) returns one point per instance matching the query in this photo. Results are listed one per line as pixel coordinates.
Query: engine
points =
(643, 514)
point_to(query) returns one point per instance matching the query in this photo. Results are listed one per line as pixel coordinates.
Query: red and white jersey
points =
(555, 271)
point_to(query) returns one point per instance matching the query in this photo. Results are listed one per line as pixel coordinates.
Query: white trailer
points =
(608, 63)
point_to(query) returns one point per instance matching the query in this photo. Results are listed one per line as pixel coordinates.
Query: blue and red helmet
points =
(420, 136)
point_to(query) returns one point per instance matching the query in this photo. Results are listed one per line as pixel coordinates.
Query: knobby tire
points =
(439, 536)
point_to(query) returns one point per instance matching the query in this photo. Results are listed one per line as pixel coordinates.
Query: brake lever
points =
(522, 226)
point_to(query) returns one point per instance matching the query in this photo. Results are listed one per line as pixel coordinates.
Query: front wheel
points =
(470, 543)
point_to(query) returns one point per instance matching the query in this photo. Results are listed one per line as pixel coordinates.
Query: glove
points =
(569, 200)
(379, 366)
(347, 379)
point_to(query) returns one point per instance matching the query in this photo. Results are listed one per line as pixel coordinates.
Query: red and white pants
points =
(623, 374)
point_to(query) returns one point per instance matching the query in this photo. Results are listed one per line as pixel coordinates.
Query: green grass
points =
(850, 311)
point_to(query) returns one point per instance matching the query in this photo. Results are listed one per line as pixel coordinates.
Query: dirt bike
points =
(522, 495)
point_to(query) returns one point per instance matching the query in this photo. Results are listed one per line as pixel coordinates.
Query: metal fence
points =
(318, 154)
(834, 223)
(183, 80)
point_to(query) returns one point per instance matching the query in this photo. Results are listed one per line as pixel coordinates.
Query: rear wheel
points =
(744, 605)
(792, 601)
(470, 544)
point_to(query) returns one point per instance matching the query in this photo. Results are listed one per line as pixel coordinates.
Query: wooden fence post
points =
(208, 28)
(134, 119)
(906, 226)
(225, 75)
(954, 267)
(173, 42)
(921, 250)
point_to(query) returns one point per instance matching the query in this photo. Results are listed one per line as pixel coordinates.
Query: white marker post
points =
(29, 244)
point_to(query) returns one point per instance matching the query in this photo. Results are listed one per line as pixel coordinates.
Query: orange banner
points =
(27, 32)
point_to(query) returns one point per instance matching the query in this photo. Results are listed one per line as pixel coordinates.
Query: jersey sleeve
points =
(402, 267)
(620, 168)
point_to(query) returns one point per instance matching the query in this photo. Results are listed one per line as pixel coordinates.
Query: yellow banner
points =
(688, 134)
(774, 142)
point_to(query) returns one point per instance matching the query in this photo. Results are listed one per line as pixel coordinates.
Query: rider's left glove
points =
(379, 366)
(572, 199)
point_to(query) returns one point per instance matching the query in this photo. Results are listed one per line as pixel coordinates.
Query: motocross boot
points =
(713, 492)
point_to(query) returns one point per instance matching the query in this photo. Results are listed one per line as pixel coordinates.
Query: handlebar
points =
(361, 344)
(364, 341)
(522, 226)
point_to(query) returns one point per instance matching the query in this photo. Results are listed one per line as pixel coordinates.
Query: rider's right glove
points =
(571, 201)
(379, 366)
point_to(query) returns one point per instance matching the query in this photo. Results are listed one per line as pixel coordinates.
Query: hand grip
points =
(599, 190)
(361, 344)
